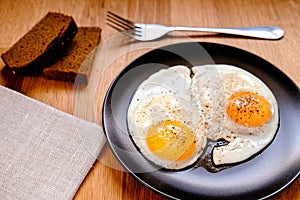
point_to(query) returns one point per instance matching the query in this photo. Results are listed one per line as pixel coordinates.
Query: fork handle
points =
(263, 32)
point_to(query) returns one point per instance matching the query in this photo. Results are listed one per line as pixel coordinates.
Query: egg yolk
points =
(249, 109)
(171, 140)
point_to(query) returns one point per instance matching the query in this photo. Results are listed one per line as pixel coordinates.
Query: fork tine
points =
(120, 18)
(126, 24)
(122, 25)
(119, 24)
(123, 29)
(128, 32)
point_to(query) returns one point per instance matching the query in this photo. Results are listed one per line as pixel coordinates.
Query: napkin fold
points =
(44, 153)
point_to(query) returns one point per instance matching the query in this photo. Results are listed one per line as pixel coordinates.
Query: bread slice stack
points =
(56, 48)
(70, 65)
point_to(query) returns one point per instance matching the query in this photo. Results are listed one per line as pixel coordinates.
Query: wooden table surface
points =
(106, 180)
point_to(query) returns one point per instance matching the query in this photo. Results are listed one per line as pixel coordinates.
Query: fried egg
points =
(236, 106)
(162, 120)
(176, 110)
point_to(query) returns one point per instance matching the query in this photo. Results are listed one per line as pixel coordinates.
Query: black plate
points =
(261, 177)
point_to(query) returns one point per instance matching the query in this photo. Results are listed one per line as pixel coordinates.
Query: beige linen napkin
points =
(44, 153)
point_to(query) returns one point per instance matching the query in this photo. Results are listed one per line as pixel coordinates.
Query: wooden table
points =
(104, 181)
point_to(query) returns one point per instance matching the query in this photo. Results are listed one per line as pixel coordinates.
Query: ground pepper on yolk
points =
(171, 140)
(249, 109)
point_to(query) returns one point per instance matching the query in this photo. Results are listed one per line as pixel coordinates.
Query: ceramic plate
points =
(266, 174)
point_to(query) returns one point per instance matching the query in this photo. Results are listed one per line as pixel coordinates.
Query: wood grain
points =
(107, 180)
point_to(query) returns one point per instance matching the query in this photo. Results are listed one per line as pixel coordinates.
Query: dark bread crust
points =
(76, 61)
(53, 33)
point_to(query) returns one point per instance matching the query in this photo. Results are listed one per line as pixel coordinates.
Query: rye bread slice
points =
(41, 46)
(76, 61)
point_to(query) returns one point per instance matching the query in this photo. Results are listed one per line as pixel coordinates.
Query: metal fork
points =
(147, 32)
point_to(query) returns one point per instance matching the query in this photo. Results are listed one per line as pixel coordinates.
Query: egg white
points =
(214, 84)
(165, 95)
